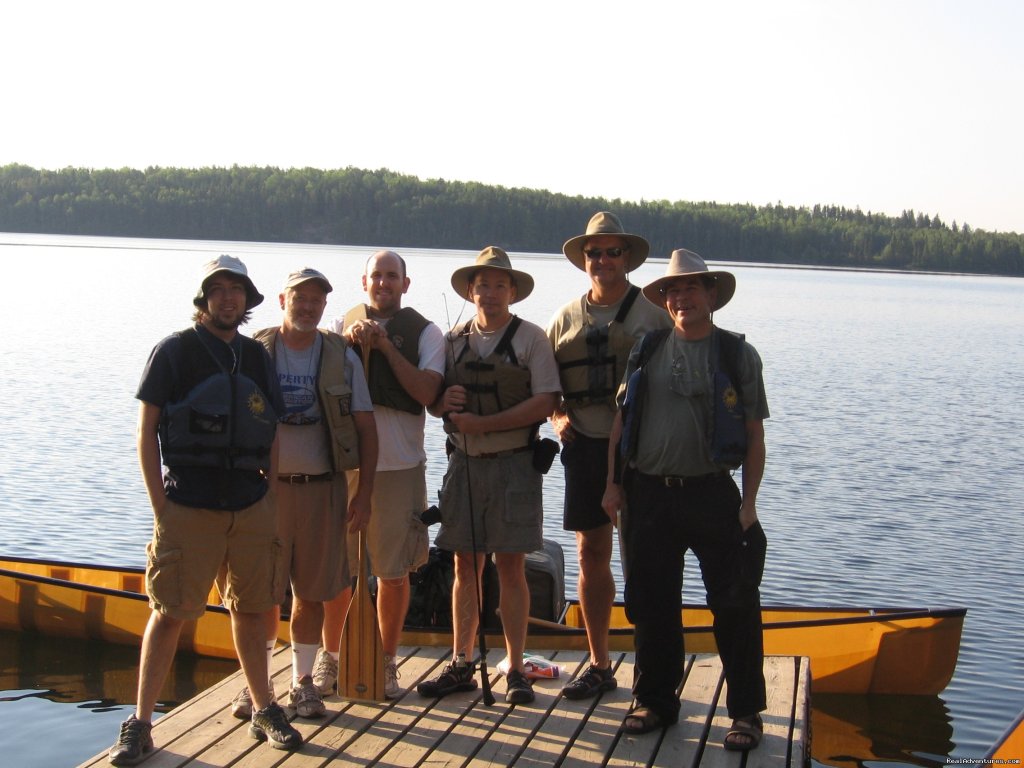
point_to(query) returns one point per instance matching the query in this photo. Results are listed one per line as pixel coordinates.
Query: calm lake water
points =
(894, 475)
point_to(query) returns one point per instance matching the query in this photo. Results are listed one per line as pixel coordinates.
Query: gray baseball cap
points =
(300, 276)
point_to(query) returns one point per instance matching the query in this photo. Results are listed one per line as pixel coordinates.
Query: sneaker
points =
(271, 724)
(325, 673)
(453, 678)
(133, 744)
(592, 682)
(241, 705)
(520, 690)
(392, 690)
(306, 700)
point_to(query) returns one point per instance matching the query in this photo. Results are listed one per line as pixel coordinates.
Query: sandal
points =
(642, 720)
(745, 734)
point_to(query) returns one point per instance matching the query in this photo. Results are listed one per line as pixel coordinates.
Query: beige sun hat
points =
(605, 223)
(304, 275)
(491, 257)
(684, 263)
(234, 265)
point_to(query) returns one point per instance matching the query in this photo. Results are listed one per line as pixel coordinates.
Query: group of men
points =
(278, 449)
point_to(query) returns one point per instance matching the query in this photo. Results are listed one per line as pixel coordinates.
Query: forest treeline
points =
(352, 206)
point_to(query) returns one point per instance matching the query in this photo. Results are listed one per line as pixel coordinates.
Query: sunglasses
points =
(611, 253)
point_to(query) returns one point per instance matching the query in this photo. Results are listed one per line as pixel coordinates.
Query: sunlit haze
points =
(882, 105)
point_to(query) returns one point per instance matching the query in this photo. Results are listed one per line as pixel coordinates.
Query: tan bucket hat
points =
(491, 257)
(605, 223)
(234, 265)
(684, 263)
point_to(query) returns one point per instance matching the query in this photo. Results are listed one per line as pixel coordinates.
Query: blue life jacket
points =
(728, 438)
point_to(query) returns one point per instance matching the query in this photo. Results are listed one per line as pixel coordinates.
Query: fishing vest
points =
(404, 329)
(224, 420)
(334, 393)
(592, 361)
(493, 383)
(727, 438)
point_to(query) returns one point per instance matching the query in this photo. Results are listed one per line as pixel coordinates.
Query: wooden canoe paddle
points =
(361, 668)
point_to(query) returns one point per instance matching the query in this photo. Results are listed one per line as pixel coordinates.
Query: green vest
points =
(404, 329)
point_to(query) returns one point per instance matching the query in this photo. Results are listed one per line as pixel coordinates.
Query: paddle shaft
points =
(363, 652)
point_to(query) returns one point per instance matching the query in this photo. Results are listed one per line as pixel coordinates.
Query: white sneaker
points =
(241, 705)
(392, 690)
(305, 699)
(325, 673)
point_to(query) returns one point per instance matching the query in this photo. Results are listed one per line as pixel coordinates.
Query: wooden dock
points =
(459, 730)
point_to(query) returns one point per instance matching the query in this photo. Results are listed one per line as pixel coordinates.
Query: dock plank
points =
(460, 731)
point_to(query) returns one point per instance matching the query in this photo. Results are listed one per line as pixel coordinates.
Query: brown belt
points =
(303, 479)
(499, 454)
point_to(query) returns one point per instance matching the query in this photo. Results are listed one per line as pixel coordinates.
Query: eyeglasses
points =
(611, 253)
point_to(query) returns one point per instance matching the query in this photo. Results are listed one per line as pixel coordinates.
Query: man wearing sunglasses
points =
(592, 337)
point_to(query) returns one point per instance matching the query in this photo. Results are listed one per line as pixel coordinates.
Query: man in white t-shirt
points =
(405, 372)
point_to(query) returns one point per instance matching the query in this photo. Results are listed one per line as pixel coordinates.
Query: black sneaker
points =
(519, 688)
(592, 682)
(133, 744)
(271, 724)
(453, 678)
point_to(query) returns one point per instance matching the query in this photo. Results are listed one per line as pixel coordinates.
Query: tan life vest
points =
(592, 359)
(335, 396)
(494, 383)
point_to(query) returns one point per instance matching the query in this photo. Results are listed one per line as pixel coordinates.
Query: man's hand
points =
(564, 430)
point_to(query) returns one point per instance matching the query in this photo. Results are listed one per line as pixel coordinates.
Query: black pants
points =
(662, 523)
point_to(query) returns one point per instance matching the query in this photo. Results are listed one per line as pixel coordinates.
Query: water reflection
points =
(97, 675)
(856, 730)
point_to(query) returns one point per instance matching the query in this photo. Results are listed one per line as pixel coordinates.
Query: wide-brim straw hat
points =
(605, 223)
(491, 257)
(684, 263)
(234, 265)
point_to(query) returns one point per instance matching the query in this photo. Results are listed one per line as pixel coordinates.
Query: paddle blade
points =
(361, 667)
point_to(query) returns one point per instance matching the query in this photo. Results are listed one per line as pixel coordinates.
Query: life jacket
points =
(224, 419)
(493, 383)
(727, 440)
(334, 394)
(593, 359)
(404, 329)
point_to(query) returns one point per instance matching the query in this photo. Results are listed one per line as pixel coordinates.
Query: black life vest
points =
(224, 419)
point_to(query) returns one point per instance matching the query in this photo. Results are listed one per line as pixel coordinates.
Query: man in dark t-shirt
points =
(208, 405)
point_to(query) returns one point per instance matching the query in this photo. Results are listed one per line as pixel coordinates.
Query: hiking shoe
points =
(133, 744)
(241, 705)
(392, 690)
(305, 699)
(592, 682)
(271, 724)
(520, 690)
(453, 678)
(325, 673)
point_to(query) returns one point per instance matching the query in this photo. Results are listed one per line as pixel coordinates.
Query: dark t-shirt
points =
(208, 487)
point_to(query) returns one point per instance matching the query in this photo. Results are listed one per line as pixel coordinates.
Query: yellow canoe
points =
(1010, 746)
(852, 650)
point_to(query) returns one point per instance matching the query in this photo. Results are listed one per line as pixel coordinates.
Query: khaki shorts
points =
(312, 529)
(396, 539)
(189, 547)
(508, 513)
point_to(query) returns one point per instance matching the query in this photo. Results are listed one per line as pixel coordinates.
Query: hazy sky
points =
(881, 104)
